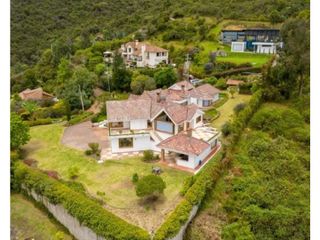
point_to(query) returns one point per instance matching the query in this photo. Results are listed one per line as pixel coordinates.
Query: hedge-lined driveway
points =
(78, 136)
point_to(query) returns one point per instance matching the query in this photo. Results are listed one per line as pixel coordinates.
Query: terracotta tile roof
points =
(234, 82)
(184, 144)
(180, 113)
(205, 91)
(35, 94)
(137, 46)
(178, 86)
(126, 110)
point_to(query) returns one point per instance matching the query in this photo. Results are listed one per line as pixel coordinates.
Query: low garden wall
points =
(84, 217)
(79, 231)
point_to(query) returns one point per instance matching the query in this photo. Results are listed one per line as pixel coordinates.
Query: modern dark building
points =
(250, 35)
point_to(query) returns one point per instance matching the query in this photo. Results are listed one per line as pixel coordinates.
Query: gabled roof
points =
(179, 85)
(137, 47)
(35, 94)
(126, 110)
(205, 91)
(234, 82)
(184, 144)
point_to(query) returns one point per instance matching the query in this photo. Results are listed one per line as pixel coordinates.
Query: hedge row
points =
(195, 194)
(88, 212)
(41, 121)
(242, 119)
(80, 118)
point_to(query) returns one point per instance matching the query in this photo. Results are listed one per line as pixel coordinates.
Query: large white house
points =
(167, 121)
(142, 54)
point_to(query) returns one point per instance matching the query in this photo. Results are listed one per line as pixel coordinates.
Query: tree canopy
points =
(19, 132)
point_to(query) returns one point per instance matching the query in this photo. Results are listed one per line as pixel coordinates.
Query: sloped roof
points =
(178, 86)
(148, 47)
(234, 82)
(126, 110)
(184, 143)
(205, 91)
(35, 94)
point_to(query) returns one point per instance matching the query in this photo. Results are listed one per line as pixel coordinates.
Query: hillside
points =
(35, 25)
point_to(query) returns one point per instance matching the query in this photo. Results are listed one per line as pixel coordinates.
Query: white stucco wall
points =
(138, 124)
(194, 160)
(140, 143)
(194, 124)
(193, 100)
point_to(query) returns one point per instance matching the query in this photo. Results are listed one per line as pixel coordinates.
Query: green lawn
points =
(257, 60)
(226, 110)
(112, 177)
(28, 221)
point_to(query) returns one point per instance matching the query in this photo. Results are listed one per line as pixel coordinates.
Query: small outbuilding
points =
(36, 94)
(232, 82)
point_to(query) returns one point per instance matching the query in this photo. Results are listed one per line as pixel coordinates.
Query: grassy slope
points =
(28, 221)
(212, 216)
(111, 177)
(226, 110)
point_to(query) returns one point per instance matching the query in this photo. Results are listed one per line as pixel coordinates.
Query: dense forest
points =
(36, 25)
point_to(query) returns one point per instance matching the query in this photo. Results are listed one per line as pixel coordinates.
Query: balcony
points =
(126, 131)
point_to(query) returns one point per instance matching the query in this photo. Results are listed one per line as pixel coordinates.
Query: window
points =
(206, 103)
(125, 142)
(117, 124)
(198, 119)
(158, 54)
(129, 50)
(183, 157)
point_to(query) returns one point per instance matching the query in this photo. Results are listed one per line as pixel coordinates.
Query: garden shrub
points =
(43, 121)
(150, 186)
(226, 129)
(221, 84)
(88, 152)
(73, 172)
(86, 210)
(187, 183)
(239, 107)
(135, 178)
(148, 156)
(80, 118)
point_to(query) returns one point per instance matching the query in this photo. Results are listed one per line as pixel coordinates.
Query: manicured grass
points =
(257, 60)
(112, 177)
(27, 221)
(226, 110)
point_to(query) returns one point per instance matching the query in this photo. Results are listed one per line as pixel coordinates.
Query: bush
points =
(73, 172)
(221, 84)
(80, 118)
(150, 186)
(94, 147)
(135, 178)
(148, 156)
(86, 210)
(239, 107)
(88, 152)
(226, 129)
(186, 185)
(37, 122)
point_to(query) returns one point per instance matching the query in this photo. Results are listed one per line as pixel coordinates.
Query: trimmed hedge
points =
(194, 195)
(80, 118)
(41, 121)
(88, 212)
(242, 119)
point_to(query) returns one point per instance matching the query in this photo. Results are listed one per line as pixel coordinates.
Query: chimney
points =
(158, 97)
(183, 87)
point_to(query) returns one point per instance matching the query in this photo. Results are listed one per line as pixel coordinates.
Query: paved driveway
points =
(78, 136)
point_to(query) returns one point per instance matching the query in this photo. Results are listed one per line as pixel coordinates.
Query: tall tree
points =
(121, 77)
(19, 132)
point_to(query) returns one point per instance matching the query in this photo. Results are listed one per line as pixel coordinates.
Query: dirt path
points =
(78, 136)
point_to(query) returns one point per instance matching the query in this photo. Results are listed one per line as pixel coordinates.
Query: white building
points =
(238, 46)
(165, 121)
(142, 54)
(266, 47)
